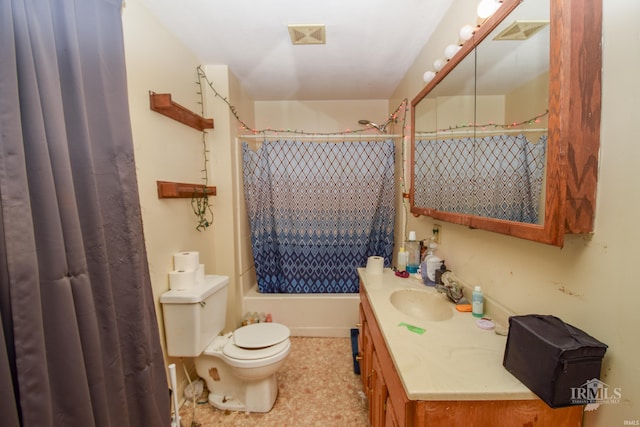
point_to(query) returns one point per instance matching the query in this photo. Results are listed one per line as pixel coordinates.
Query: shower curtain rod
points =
(347, 138)
(479, 132)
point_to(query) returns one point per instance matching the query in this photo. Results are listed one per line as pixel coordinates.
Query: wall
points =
(319, 116)
(164, 149)
(230, 217)
(591, 282)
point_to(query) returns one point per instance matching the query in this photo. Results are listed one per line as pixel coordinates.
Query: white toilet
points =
(239, 367)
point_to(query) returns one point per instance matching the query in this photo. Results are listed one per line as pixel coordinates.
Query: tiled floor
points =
(317, 387)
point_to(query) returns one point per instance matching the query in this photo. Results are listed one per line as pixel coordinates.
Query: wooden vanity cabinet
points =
(388, 402)
(390, 406)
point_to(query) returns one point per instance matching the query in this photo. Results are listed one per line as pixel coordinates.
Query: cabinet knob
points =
(359, 357)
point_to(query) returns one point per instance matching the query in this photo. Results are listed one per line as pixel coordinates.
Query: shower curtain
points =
(317, 211)
(80, 342)
(497, 176)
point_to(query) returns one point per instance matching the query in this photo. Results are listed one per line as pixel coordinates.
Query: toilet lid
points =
(259, 335)
(233, 351)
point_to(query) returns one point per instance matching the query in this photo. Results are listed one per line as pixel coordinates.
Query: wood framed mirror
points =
(567, 80)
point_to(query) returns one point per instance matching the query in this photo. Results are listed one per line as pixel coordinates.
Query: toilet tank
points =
(194, 317)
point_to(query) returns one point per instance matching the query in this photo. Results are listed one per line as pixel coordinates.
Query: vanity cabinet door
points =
(390, 415)
(361, 347)
(377, 405)
(366, 359)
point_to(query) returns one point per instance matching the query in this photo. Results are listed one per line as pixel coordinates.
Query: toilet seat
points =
(260, 335)
(233, 351)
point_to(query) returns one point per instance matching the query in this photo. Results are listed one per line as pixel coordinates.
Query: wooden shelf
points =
(162, 103)
(179, 190)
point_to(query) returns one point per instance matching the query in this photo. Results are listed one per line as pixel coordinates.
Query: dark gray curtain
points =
(79, 332)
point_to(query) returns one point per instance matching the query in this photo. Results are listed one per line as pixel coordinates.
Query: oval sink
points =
(422, 305)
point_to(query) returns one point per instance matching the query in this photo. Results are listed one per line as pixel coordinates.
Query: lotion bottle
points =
(402, 260)
(477, 302)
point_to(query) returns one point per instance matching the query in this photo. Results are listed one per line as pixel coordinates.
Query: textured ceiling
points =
(369, 46)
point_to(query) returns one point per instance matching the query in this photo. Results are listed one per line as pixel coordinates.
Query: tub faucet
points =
(451, 288)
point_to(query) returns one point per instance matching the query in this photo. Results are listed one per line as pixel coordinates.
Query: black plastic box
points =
(354, 350)
(554, 359)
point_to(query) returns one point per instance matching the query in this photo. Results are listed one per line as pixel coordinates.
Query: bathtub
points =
(307, 315)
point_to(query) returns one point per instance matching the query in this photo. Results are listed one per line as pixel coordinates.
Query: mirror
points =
(488, 141)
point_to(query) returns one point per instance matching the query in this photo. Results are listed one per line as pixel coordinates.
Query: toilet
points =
(238, 367)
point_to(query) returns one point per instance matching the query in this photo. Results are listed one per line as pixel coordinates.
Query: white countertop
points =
(453, 360)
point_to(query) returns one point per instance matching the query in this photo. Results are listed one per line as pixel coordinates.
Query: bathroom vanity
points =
(434, 366)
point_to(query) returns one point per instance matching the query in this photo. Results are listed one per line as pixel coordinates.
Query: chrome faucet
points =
(451, 288)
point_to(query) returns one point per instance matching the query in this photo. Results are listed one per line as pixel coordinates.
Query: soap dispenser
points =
(430, 265)
(439, 272)
(412, 246)
(433, 262)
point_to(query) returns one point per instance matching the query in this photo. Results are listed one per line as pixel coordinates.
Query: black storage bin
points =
(551, 357)
(354, 350)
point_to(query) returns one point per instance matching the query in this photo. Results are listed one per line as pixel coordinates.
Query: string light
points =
(392, 118)
(531, 121)
(200, 201)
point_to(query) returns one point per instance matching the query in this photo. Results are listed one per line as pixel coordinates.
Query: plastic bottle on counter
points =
(412, 247)
(402, 260)
(433, 263)
(477, 302)
(423, 267)
(439, 272)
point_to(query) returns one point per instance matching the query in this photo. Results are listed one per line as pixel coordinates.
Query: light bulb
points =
(486, 8)
(428, 76)
(438, 64)
(466, 32)
(451, 50)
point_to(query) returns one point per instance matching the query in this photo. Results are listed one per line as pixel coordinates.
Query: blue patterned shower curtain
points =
(317, 211)
(498, 176)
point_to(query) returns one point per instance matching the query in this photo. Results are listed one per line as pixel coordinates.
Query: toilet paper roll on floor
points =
(182, 279)
(375, 265)
(189, 260)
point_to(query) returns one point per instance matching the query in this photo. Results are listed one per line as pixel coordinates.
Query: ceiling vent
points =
(521, 30)
(307, 34)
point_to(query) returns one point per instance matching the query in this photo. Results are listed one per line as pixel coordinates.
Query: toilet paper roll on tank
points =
(188, 272)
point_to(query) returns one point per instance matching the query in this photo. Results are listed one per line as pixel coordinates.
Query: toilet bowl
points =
(244, 378)
(239, 368)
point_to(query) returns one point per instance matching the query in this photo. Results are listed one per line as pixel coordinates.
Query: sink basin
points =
(421, 304)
